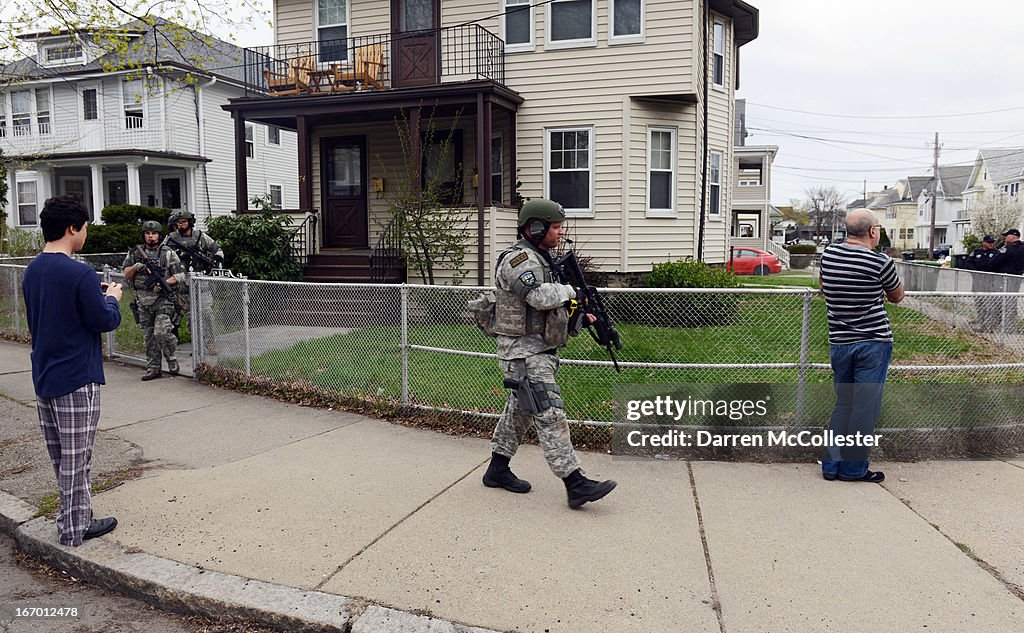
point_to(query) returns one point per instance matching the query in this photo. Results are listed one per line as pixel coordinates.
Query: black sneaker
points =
(829, 476)
(871, 476)
(99, 527)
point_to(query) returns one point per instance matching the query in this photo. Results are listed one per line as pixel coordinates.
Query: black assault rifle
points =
(191, 255)
(603, 329)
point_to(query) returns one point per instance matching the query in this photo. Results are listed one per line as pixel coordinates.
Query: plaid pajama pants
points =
(69, 428)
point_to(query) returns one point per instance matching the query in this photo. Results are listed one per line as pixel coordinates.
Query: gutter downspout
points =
(699, 255)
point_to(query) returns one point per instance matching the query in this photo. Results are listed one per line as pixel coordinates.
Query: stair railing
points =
(386, 254)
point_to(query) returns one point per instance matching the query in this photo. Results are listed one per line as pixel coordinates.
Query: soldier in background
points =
(145, 265)
(198, 253)
(531, 323)
(980, 260)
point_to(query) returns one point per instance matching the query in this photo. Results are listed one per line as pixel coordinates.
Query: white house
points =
(155, 135)
(949, 201)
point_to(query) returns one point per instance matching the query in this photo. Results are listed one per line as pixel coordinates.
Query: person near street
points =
(67, 310)
(854, 279)
(1008, 260)
(531, 323)
(980, 260)
(186, 240)
(144, 266)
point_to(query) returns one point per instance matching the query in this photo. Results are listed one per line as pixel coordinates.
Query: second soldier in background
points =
(198, 253)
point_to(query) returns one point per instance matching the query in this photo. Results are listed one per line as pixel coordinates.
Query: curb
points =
(180, 588)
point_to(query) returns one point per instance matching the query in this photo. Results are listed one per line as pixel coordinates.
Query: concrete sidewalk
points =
(359, 524)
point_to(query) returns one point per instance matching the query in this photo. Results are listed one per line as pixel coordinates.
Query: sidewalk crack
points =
(716, 604)
(396, 524)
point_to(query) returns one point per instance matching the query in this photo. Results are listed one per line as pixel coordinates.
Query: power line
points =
(861, 116)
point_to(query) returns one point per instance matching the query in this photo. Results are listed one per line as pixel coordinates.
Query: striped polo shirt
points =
(853, 279)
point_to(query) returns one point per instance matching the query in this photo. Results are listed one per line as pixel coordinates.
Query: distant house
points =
(949, 200)
(156, 135)
(899, 216)
(752, 211)
(621, 111)
(995, 172)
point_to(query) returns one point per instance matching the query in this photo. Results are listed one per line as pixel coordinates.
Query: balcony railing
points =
(115, 134)
(465, 52)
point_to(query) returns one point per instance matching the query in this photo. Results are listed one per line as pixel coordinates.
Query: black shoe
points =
(829, 476)
(499, 475)
(152, 374)
(99, 527)
(581, 490)
(872, 476)
(173, 367)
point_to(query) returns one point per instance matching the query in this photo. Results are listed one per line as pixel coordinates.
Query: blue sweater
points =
(66, 314)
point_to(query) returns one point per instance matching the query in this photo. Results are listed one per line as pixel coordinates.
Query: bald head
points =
(859, 222)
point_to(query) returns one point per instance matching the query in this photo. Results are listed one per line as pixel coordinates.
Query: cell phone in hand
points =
(103, 286)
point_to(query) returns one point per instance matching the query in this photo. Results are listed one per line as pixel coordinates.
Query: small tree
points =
(971, 242)
(825, 208)
(257, 245)
(995, 213)
(433, 235)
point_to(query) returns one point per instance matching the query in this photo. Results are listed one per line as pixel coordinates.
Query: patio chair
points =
(295, 81)
(367, 70)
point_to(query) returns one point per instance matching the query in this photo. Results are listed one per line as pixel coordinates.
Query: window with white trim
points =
(569, 175)
(332, 29)
(21, 112)
(627, 21)
(133, 95)
(61, 54)
(273, 135)
(3, 116)
(517, 25)
(661, 170)
(250, 141)
(90, 104)
(748, 176)
(718, 54)
(27, 203)
(715, 185)
(497, 171)
(571, 23)
(276, 193)
(43, 110)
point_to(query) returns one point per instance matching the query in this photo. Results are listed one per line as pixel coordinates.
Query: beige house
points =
(899, 216)
(622, 110)
(752, 211)
(995, 172)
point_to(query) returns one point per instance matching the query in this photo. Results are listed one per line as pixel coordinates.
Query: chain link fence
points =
(951, 390)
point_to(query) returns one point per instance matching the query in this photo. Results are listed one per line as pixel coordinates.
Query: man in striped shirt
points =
(854, 280)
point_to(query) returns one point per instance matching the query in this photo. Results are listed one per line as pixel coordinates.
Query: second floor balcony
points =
(122, 133)
(376, 62)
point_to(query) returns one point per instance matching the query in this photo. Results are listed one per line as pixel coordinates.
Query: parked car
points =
(942, 250)
(751, 261)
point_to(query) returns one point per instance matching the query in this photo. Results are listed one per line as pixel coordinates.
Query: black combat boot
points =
(499, 475)
(581, 490)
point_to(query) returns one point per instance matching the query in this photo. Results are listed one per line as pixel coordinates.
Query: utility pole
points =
(935, 195)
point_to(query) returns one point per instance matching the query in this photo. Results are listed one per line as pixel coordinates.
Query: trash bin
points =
(960, 261)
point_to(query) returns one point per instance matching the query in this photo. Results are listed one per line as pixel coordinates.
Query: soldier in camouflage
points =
(531, 322)
(156, 310)
(184, 238)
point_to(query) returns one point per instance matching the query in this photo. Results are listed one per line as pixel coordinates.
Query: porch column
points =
(192, 200)
(241, 173)
(134, 191)
(45, 184)
(12, 196)
(483, 161)
(97, 192)
(513, 189)
(305, 164)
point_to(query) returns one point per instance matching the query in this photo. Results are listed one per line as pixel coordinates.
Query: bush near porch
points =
(121, 229)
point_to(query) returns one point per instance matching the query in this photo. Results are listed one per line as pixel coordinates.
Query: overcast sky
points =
(928, 66)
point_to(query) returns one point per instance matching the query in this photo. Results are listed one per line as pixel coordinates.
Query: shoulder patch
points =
(528, 278)
(518, 259)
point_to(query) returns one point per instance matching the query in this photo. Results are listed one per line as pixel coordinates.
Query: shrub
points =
(133, 214)
(680, 310)
(121, 229)
(22, 242)
(802, 249)
(257, 245)
(971, 242)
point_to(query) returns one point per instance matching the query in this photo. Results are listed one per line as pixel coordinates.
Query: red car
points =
(751, 261)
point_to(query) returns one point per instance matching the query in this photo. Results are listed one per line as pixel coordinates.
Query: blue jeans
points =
(858, 374)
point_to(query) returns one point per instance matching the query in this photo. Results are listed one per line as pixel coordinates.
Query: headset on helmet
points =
(537, 216)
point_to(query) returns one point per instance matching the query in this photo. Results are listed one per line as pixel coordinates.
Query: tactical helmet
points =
(182, 214)
(542, 210)
(152, 225)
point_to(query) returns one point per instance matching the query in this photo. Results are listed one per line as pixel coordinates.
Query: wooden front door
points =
(343, 191)
(415, 48)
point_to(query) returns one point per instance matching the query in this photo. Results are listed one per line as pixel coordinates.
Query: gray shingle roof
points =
(158, 44)
(1003, 164)
(954, 179)
(915, 184)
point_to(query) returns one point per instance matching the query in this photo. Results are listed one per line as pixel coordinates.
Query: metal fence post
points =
(195, 325)
(245, 324)
(17, 308)
(110, 334)
(405, 345)
(805, 340)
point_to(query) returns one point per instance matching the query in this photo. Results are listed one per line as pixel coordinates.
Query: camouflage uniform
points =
(208, 247)
(156, 310)
(531, 323)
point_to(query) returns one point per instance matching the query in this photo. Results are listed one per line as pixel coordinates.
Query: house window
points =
(571, 23)
(890, 213)
(21, 112)
(497, 171)
(43, 110)
(715, 185)
(661, 161)
(250, 144)
(442, 165)
(27, 215)
(273, 135)
(90, 104)
(75, 187)
(3, 116)
(718, 54)
(570, 156)
(910, 234)
(332, 29)
(749, 176)
(132, 93)
(62, 54)
(117, 192)
(276, 193)
(518, 25)
(627, 20)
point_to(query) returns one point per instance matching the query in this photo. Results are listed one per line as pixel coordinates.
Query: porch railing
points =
(465, 52)
(386, 254)
(303, 241)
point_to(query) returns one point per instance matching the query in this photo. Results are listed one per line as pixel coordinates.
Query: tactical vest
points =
(513, 316)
